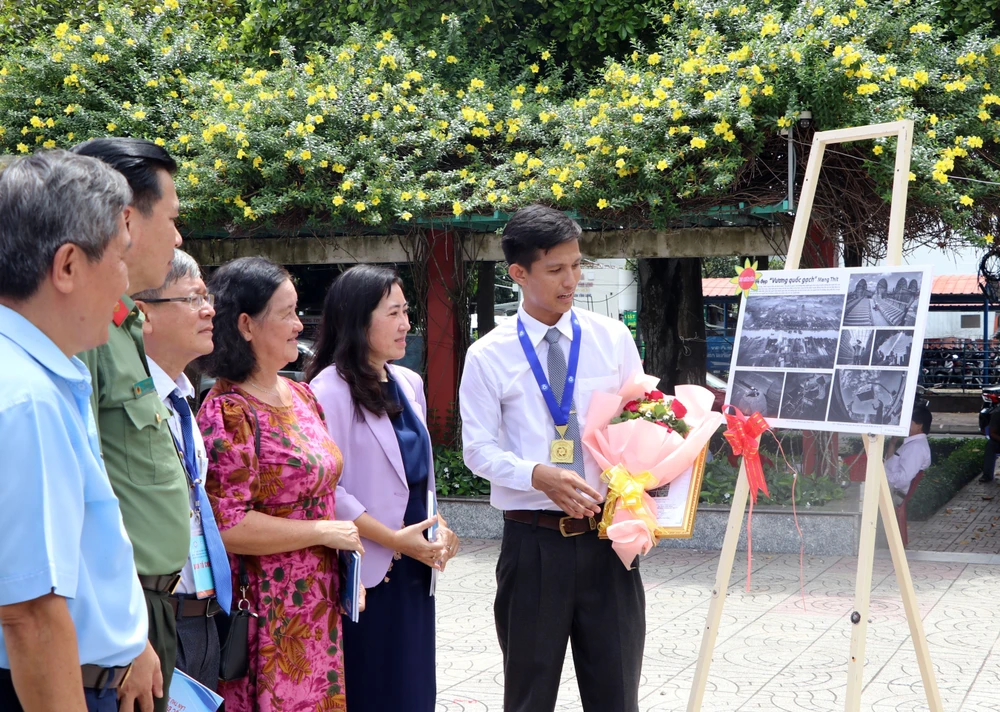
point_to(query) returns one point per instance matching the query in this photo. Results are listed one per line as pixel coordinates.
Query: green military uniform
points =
(144, 468)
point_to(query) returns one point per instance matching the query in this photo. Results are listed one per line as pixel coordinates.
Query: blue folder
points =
(187, 695)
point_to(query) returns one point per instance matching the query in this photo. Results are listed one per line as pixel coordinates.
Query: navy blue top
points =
(414, 447)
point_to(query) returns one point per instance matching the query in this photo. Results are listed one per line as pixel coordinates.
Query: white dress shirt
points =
(506, 426)
(912, 456)
(164, 387)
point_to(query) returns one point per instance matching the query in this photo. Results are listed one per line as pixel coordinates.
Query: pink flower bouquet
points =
(643, 440)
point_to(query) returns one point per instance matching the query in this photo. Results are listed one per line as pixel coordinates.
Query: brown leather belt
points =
(104, 678)
(167, 583)
(194, 607)
(567, 526)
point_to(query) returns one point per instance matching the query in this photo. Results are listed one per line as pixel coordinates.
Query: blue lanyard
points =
(560, 411)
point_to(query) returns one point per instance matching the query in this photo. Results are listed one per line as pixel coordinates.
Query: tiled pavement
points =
(771, 654)
(968, 524)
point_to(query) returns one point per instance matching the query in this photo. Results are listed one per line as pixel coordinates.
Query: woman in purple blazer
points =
(376, 413)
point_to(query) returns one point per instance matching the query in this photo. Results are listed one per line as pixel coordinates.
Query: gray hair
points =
(50, 199)
(183, 265)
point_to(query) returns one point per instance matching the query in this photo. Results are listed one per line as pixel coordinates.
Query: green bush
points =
(720, 482)
(945, 478)
(378, 131)
(454, 479)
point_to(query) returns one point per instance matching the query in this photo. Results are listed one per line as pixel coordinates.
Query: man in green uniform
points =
(142, 462)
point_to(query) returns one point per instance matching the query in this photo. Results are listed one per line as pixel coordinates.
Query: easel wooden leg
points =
(909, 597)
(726, 559)
(863, 583)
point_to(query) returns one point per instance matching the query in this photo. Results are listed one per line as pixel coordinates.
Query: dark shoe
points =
(984, 479)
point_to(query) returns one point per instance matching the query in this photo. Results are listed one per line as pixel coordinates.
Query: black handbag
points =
(234, 634)
(234, 629)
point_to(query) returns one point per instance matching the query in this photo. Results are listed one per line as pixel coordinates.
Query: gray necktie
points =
(557, 379)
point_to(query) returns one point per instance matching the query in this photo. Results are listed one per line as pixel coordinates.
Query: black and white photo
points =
(872, 396)
(806, 396)
(892, 348)
(790, 331)
(882, 299)
(855, 347)
(757, 391)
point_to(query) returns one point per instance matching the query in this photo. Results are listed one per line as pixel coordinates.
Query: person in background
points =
(376, 412)
(556, 580)
(914, 454)
(992, 433)
(272, 476)
(72, 618)
(177, 330)
(142, 462)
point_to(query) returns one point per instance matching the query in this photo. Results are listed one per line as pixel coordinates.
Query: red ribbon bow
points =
(743, 432)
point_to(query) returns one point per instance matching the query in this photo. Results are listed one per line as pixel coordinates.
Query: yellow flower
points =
(406, 216)
(338, 200)
(160, 142)
(533, 68)
(111, 126)
(653, 59)
(456, 208)
(99, 40)
(432, 54)
(61, 29)
(698, 142)
(192, 178)
(546, 54)
(305, 155)
(637, 118)
(877, 150)
(920, 28)
(966, 200)
(989, 238)
(359, 206)
(22, 148)
(451, 59)
(257, 162)
(139, 115)
(49, 144)
(602, 204)
(662, 164)
(557, 190)
(912, 176)
(376, 200)
(347, 184)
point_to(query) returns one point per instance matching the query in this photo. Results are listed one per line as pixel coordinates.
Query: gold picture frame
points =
(684, 526)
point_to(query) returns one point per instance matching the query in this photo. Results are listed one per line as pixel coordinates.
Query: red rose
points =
(655, 395)
(678, 408)
(632, 406)
(660, 422)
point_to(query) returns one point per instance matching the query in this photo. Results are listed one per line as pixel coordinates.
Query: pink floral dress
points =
(296, 661)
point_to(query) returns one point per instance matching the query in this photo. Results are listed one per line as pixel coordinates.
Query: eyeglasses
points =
(195, 302)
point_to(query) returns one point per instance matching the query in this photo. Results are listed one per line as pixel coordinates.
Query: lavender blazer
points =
(373, 479)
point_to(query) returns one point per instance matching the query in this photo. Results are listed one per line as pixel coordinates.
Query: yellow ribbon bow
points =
(629, 489)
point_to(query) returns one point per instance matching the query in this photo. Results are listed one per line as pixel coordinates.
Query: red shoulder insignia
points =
(121, 311)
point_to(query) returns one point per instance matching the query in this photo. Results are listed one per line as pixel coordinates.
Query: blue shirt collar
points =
(30, 339)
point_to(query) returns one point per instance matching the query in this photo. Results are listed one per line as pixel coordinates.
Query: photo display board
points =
(831, 349)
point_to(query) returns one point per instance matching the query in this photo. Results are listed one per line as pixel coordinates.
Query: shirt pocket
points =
(587, 386)
(150, 454)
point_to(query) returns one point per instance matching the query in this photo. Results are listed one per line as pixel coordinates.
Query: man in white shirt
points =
(178, 330)
(524, 398)
(903, 463)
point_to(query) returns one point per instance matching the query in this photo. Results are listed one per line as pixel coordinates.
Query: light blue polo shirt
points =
(61, 529)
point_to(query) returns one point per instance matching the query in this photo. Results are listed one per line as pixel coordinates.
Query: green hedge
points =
(945, 478)
(454, 479)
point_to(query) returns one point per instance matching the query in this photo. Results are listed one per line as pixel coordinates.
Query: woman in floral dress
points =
(272, 474)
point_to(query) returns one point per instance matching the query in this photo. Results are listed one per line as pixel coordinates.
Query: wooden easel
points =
(877, 497)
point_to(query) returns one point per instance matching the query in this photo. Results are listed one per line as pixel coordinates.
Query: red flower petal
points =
(678, 408)
(655, 395)
(632, 406)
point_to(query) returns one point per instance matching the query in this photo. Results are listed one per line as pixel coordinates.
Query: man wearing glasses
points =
(178, 329)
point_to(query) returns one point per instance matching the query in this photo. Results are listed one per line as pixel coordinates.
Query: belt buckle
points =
(172, 588)
(562, 527)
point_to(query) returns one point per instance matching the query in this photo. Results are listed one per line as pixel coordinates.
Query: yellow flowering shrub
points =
(380, 131)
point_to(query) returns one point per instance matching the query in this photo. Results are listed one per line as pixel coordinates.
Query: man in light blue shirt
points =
(72, 615)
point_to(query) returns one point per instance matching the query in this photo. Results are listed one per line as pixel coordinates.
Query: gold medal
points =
(561, 450)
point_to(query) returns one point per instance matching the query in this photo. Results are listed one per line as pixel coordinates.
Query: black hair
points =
(922, 415)
(243, 286)
(534, 230)
(138, 160)
(343, 335)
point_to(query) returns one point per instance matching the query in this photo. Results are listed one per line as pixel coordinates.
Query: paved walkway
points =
(771, 655)
(968, 524)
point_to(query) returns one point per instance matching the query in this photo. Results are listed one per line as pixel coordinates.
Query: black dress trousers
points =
(552, 590)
